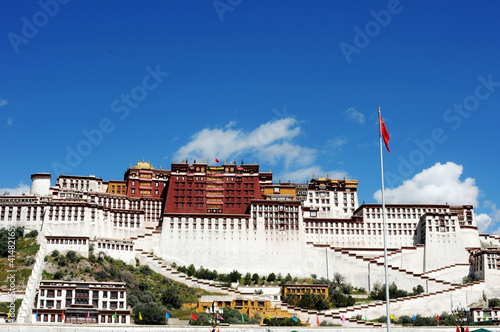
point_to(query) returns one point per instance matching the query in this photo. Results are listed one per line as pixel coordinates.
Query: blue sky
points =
(90, 87)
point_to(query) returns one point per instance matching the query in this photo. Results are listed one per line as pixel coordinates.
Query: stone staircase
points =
(420, 306)
(311, 317)
(24, 314)
(378, 260)
(149, 240)
(160, 266)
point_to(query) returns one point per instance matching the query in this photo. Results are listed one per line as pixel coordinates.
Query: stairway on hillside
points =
(376, 260)
(24, 314)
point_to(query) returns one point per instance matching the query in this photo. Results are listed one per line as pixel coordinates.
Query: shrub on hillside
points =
(150, 316)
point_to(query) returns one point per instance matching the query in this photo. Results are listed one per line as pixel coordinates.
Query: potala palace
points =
(232, 216)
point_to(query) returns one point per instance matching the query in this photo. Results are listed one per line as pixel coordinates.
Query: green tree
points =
(494, 303)
(150, 315)
(191, 270)
(234, 276)
(145, 269)
(19, 232)
(279, 321)
(72, 257)
(271, 277)
(248, 279)
(321, 304)
(170, 298)
(418, 290)
(5, 236)
(132, 300)
(338, 278)
(255, 278)
(405, 320)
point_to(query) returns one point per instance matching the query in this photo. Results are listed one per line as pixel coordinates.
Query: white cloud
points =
(271, 141)
(495, 213)
(3, 102)
(334, 145)
(439, 184)
(353, 114)
(9, 122)
(19, 190)
(494, 216)
(483, 221)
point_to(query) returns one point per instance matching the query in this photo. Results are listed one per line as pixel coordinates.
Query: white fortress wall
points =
(257, 251)
(412, 259)
(441, 302)
(117, 249)
(63, 244)
(80, 228)
(470, 237)
(442, 249)
(454, 274)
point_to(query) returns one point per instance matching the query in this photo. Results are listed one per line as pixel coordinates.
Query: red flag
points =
(385, 133)
(437, 318)
(317, 320)
(194, 317)
(467, 329)
(62, 316)
(458, 330)
(216, 160)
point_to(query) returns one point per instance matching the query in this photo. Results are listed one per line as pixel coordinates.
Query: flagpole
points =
(387, 302)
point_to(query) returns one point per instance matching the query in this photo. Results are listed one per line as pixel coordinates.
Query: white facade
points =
(63, 244)
(117, 249)
(430, 245)
(40, 184)
(331, 203)
(80, 302)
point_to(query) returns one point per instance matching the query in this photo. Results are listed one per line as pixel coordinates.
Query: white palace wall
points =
(265, 251)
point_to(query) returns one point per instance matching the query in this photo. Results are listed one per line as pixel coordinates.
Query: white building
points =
(430, 245)
(79, 302)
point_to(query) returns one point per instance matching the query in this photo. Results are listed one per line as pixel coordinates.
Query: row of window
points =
(127, 224)
(442, 229)
(69, 293)
(216, 226)
(58, 317)
(276, 214)
(327, 194)
(280, 227)
(276, 208)
(66, 241)
(359, 232)
(407, 210)
(114, 246)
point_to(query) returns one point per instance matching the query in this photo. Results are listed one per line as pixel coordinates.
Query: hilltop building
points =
(232, 216)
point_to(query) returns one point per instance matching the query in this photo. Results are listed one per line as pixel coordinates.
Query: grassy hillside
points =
(22, 263)
(145, 288)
